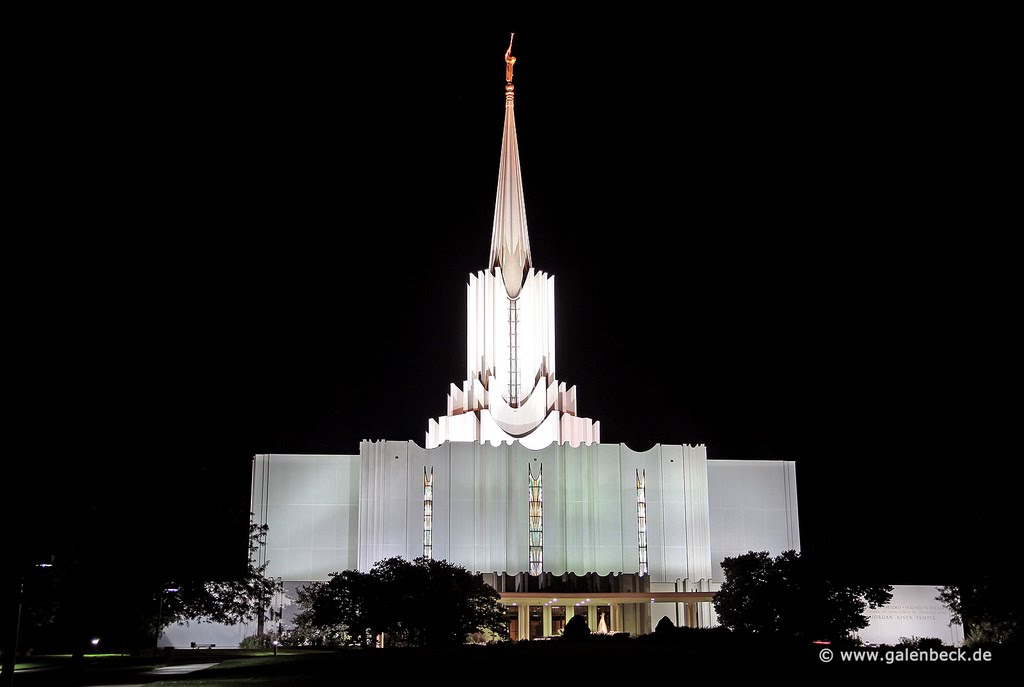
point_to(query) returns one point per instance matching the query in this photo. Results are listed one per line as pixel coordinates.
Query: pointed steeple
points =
(510, 243)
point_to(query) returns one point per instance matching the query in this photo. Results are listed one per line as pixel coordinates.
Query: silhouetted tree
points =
(230, 602)
(337, 609)
(787, 596)
(988, 609)
(439, 603)
(73, 601)
(915, 642)
(420, 603)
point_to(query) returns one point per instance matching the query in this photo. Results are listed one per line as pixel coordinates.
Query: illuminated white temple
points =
(513, 484)
(510, 392)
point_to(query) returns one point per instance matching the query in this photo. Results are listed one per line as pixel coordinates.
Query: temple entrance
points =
(536, 622)
(603, 620)
(532, 615)
(557, 620)
(512, 618)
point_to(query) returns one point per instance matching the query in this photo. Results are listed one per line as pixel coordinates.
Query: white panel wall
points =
(311, 503)
(462, 522)
(439, 460)
(606, 519)
(330, 513)
(517, 527)
(481, 506)
(629, 461)
(696, 503)
(752, 507)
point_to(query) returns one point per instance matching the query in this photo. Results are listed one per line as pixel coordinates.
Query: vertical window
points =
(641, 517)
(513, 353)
(557, 620)
(604, 620)
(536, 622)
(512, 618)
(536, 522)
(428, 512)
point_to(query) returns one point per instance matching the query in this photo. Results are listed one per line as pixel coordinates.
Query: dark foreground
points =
(511, 663)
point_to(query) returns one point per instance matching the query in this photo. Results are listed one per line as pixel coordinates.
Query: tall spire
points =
(510, 243)
(510, 392)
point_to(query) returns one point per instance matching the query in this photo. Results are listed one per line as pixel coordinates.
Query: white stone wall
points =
(330, 513)
(753, 507)
(480, 506)
(311, 503)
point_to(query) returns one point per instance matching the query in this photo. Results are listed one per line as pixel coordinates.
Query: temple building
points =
(514, 483)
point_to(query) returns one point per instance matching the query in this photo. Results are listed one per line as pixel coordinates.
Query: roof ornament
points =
(509, 60)
(510, 242)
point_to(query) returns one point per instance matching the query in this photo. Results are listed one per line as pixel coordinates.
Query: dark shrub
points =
(256, 641)
(665, 627)
(576, 628)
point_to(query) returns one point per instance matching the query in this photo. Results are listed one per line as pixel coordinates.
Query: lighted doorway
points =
(536, 622)
(512, 617)
(557, 620)
(603, 613)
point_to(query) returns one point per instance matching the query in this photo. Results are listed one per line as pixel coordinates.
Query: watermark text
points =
(891, 656)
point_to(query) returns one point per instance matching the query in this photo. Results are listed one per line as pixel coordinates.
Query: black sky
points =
(782, 243)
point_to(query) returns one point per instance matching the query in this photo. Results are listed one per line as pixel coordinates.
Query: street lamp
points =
(95, 642)
(160, 616)
(275, 643)
(10, 661)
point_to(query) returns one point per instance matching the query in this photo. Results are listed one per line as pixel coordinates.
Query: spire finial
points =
(510, 244)
(509, 60)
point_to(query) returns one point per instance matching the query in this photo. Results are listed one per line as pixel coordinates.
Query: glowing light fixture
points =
(641, 518)
(536, 521)
(428, 513)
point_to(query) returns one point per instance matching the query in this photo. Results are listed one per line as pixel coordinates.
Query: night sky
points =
(238, 239)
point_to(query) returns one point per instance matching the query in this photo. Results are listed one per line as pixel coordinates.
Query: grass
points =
(126, 662)
(29, 665)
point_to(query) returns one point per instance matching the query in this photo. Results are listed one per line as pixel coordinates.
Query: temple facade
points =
(512, 482)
